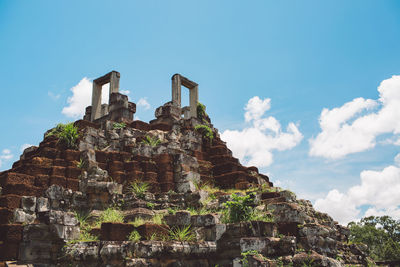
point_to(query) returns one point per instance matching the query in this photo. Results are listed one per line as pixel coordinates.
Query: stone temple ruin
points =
(156, 179)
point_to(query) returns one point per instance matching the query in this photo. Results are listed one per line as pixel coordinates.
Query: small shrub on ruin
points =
(67, 134)
(81, 164)
(151, 141)
(110, 215)
(239, 209)
(139, 188)
(182, 234)
(172, 211)
(261, 216)
(150, 205)
(251, 253)
(201, 112)
(205, 131)
(199, 211)
(134, 236)
(59, 127)
(157, 237)
(82, 217)
(119, 125)
(156, 219)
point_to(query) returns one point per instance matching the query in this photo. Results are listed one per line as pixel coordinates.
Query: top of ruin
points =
(120, 109)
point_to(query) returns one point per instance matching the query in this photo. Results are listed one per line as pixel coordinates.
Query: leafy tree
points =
(381, 234)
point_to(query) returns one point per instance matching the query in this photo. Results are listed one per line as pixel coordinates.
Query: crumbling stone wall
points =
(42, 192)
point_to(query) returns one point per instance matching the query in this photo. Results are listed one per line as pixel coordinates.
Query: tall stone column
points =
(176, 90)
(96, 101)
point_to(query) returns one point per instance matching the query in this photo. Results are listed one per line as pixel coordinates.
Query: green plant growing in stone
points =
(68, 136)
(172, 211)
(84, 235)
(134, 236)
(110, 215)
(151, 141)
(157, 237)
(239, 209)
(156, 219)
(182, 234)
(261, 216)
(205, 131)
(245, 261)
(201, 112)
(150, 205)
(81, 164)
(198, 211)
(119, 125)
(139, 188)
(59, 127)
(82, 217)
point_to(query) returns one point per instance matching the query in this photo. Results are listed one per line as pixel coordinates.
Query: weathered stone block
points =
(113, 253)
(21, 216)
(6, 215)
(185, 187)
(85, 252)
(116, 231)
(180, 218)
(289, 212)
(42, 181)
(131, 215)
(28, 204)
(73, 172)
(9, 251)
(10, 201)
(11, 232)
(9, 178)
(269, 246)
(148, 229)
(205, 220)
(42, 204)
(65, 232)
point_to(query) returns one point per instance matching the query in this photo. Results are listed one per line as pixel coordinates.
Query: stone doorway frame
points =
(112, 78)
(179, 80)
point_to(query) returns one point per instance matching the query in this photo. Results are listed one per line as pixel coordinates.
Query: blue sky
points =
(304, 56)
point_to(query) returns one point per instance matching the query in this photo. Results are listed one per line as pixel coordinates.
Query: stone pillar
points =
(194, 99)
(112, 78)
(96, 101)
(114, 82)
(176, 90)
(177, 82)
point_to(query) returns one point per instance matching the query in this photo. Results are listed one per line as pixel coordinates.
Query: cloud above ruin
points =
(377, 190)
(254, 144)
(80, 99)
(144, 103)
(5, 155)
(355, 126)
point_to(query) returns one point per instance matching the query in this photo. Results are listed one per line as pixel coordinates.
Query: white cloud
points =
(397, 159)
(125, 92)
(377, 189)
(254, 144)
(143, 103)
(5, 155)
(25, 146)
(80, 99)
(53, 96)
(347, 129)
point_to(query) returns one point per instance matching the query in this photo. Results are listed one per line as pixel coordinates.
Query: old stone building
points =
(123, 192)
